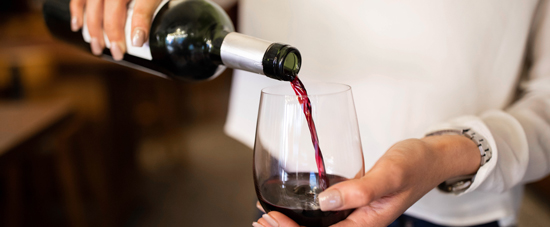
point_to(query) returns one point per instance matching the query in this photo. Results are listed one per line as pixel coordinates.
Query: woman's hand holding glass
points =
(405, 173)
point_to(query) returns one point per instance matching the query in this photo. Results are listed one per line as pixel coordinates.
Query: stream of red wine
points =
(303, 98)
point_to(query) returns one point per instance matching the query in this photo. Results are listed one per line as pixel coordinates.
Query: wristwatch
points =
(462, 183)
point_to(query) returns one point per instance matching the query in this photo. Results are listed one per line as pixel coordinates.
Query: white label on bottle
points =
(142, 52)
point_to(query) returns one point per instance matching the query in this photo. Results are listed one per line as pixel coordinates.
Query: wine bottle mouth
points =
(282, 62)
(290, 63)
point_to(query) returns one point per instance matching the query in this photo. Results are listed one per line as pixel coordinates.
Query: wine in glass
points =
(306, 141)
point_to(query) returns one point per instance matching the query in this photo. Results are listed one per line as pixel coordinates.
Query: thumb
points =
(380, 181)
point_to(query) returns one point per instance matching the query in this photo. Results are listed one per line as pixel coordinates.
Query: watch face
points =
(457, 184)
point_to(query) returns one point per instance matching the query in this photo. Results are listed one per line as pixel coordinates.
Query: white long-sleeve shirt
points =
(415, 66)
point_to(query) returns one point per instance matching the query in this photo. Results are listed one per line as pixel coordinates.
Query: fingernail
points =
(117, 51)
(270, 220)
(97, 49)
(138, 38)
(330, 200)
(256, 224)
(74, 24)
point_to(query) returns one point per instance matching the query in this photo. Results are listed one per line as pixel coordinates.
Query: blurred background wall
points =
(85, 142)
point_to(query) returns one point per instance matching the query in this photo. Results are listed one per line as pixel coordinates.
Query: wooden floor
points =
(534, 212)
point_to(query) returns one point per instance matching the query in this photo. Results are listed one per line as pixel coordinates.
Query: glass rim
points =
(338, 88)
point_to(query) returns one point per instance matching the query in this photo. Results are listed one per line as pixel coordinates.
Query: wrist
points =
(456, 155)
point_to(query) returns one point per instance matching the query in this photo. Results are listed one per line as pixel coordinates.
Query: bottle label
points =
(141, 52)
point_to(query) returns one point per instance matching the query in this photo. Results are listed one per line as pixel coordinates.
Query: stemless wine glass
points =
(286, 175)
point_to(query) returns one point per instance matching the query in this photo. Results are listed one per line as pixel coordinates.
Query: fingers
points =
(382, 213)
(94, 21)
(268, 221)
(141, 20)
(115, 19)
(77, 12)
(380, 181)
(359, 217)
(275, 219)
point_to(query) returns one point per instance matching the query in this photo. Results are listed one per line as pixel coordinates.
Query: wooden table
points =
(22, 120)
(21, 123)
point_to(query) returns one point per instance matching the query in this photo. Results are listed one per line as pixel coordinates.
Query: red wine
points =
(189, 40)
(295, 196)
(301, 94)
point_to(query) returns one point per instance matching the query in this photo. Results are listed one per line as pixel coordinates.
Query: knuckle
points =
(94, 29)
(360, 194)
(145, 9)
(140, 16)
(141, 23)
(365, 197)
(141, 19)
(93, 23)
(112, 27)
(114, 35)
(76, 7)
(109, 27)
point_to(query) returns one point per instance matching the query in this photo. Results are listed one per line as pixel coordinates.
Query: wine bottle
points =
(189, 40)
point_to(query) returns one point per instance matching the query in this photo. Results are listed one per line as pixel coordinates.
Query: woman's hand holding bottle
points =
(109, 17)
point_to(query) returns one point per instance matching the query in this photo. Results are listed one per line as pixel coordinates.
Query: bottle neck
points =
(275, 60)
(243, 52)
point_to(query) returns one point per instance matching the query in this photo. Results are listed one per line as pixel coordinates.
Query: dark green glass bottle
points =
(189, 40)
